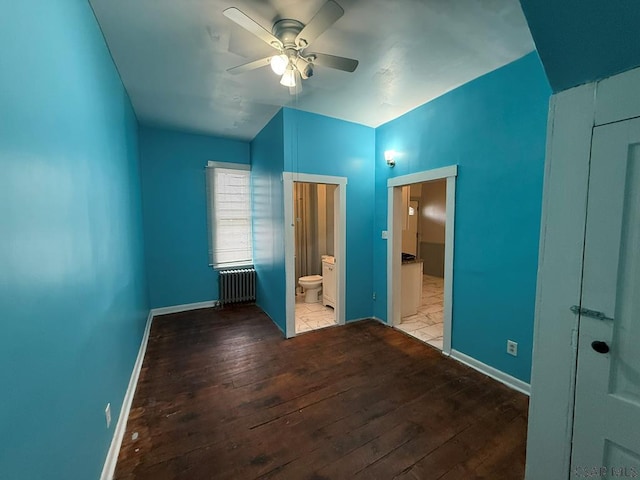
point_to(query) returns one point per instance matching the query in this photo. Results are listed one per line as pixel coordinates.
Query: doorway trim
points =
(394, 244)
(288, 179)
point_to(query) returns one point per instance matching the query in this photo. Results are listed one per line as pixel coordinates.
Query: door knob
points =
(600, 347)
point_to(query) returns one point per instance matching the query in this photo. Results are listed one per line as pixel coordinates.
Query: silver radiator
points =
(237, 285)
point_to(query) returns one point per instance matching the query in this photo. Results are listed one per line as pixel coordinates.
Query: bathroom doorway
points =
(315, 214)
(420, 255)
(314, 227)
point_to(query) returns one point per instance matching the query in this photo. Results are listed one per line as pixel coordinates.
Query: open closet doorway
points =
(315, 222)
(420, 255)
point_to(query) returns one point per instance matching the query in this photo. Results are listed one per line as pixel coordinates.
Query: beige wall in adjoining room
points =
(433, 211)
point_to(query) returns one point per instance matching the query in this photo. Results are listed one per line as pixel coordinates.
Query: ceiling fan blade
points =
(263, 62)
(323, 19)
(331, 61)
(250, 25)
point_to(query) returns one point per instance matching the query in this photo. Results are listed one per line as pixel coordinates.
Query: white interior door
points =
(606, 434)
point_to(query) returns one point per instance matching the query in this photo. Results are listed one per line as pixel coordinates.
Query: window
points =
(229, 209)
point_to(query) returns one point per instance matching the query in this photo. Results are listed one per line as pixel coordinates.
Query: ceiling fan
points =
(291, 39)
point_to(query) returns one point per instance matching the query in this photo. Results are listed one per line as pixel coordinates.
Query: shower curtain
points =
(306, 229)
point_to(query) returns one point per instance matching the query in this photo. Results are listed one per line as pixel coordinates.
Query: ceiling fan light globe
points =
(279, 64)
(288, 78)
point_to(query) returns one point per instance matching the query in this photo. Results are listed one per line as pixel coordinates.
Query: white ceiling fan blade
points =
(332, 61)
(326, 16)
(263, 62)
(250, 25)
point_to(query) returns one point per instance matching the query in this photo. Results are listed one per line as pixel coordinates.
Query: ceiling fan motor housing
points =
(287, 30)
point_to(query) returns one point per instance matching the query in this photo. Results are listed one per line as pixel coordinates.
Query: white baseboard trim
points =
(109, 467)
(284, 333)
(184, 308)
(354, 320)
(380, 321)
(112, 455)
(494, 373)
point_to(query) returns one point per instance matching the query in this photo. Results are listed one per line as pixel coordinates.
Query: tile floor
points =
(427, 325)
(312, 316)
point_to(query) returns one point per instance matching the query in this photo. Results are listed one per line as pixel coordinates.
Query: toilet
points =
(311, 285)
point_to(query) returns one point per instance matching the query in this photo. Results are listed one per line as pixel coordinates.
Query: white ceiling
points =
(173, 55)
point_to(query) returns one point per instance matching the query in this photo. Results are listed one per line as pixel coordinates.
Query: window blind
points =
(229, 201)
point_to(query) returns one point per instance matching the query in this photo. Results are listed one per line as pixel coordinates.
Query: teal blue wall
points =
(326, 146)
(175, 212)
(580, 41)
(267, 163)
(494, 128)
(73, 296)
(73, 293)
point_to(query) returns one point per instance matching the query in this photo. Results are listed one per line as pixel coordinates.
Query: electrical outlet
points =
(385, 234)
(512, 348)
(374, 295)
(107, 414)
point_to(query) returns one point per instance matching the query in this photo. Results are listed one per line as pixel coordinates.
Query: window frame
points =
(211, 213)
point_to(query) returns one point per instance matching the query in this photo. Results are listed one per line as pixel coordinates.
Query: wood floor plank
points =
(480, 417)
(222, 395)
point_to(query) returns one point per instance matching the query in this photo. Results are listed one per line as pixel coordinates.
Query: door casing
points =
(288, 179)
(394, 243)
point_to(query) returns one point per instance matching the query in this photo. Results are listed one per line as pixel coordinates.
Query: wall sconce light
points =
(388, 156)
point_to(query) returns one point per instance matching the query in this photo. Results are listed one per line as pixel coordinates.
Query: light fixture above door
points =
(389, 157)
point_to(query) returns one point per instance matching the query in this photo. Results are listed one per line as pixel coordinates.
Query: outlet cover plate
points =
(512, 348)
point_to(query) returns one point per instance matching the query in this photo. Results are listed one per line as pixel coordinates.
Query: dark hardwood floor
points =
(222, 395)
